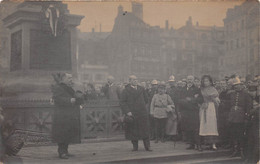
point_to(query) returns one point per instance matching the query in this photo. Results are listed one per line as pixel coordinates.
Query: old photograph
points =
(129, 81)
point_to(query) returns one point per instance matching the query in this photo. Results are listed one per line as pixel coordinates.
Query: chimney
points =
(167, 25)
(120, 10)
(189, 22)
(137, 9)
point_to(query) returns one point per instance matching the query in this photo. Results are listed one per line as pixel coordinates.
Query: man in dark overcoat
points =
(66, 118)
(189, 109)
(240, 104)
(133, 104)
(223, 111)
(111, 90)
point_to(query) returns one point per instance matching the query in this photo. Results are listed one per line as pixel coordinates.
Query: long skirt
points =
(208, 123)
(171, 125)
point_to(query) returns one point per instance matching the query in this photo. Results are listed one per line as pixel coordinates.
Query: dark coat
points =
(134, 101)
(66, 118)
(173, 92)
(252, 137)
(112, 92)
(223, 111)
(244, 104)
(190, 109)
(150, 94)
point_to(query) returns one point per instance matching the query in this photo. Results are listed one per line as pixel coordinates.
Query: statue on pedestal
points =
(53, 14)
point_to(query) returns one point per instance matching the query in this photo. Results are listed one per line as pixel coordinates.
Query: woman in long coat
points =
(66, 118)
(208, 111)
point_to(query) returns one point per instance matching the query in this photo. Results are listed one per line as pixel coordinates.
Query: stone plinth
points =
(43, 41)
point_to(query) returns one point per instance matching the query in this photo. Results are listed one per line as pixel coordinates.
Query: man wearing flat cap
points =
(133, 103)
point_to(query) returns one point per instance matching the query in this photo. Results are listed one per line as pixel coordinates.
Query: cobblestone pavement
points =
(104, 152)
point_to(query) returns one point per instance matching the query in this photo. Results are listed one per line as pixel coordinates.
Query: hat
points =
(236, 81)
(171, 78)
(110, 78)
(129, 119)
(230, 81)
(154, 82)
(162, 84)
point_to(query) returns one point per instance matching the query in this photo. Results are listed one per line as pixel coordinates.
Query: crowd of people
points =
(204, 113)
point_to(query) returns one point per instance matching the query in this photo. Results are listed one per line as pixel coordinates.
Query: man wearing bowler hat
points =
(133, 104)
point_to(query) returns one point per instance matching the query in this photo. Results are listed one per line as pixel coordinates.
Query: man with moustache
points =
(189, 108)
(66, 118)
(133, 104)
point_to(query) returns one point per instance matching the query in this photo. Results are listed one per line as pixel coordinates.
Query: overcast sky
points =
(154, 13)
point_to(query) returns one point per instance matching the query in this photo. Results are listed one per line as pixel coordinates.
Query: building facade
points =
(96, 74)
(242, 39)
(151, 52)
(133, 47)
(193, 50)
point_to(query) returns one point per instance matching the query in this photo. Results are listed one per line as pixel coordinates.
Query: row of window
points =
(235, 61)
(234, 44)
(94, 77)
(148, 67)
(235, 26)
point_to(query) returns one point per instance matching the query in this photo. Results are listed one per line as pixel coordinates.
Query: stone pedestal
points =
(43, 41)
(37, 51)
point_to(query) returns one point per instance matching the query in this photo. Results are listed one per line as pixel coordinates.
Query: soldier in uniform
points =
(240, 104)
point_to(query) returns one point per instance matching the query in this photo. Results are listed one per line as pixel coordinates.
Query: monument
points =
(43, 40)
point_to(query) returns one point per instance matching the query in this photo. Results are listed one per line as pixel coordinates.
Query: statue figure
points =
(53, 14)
